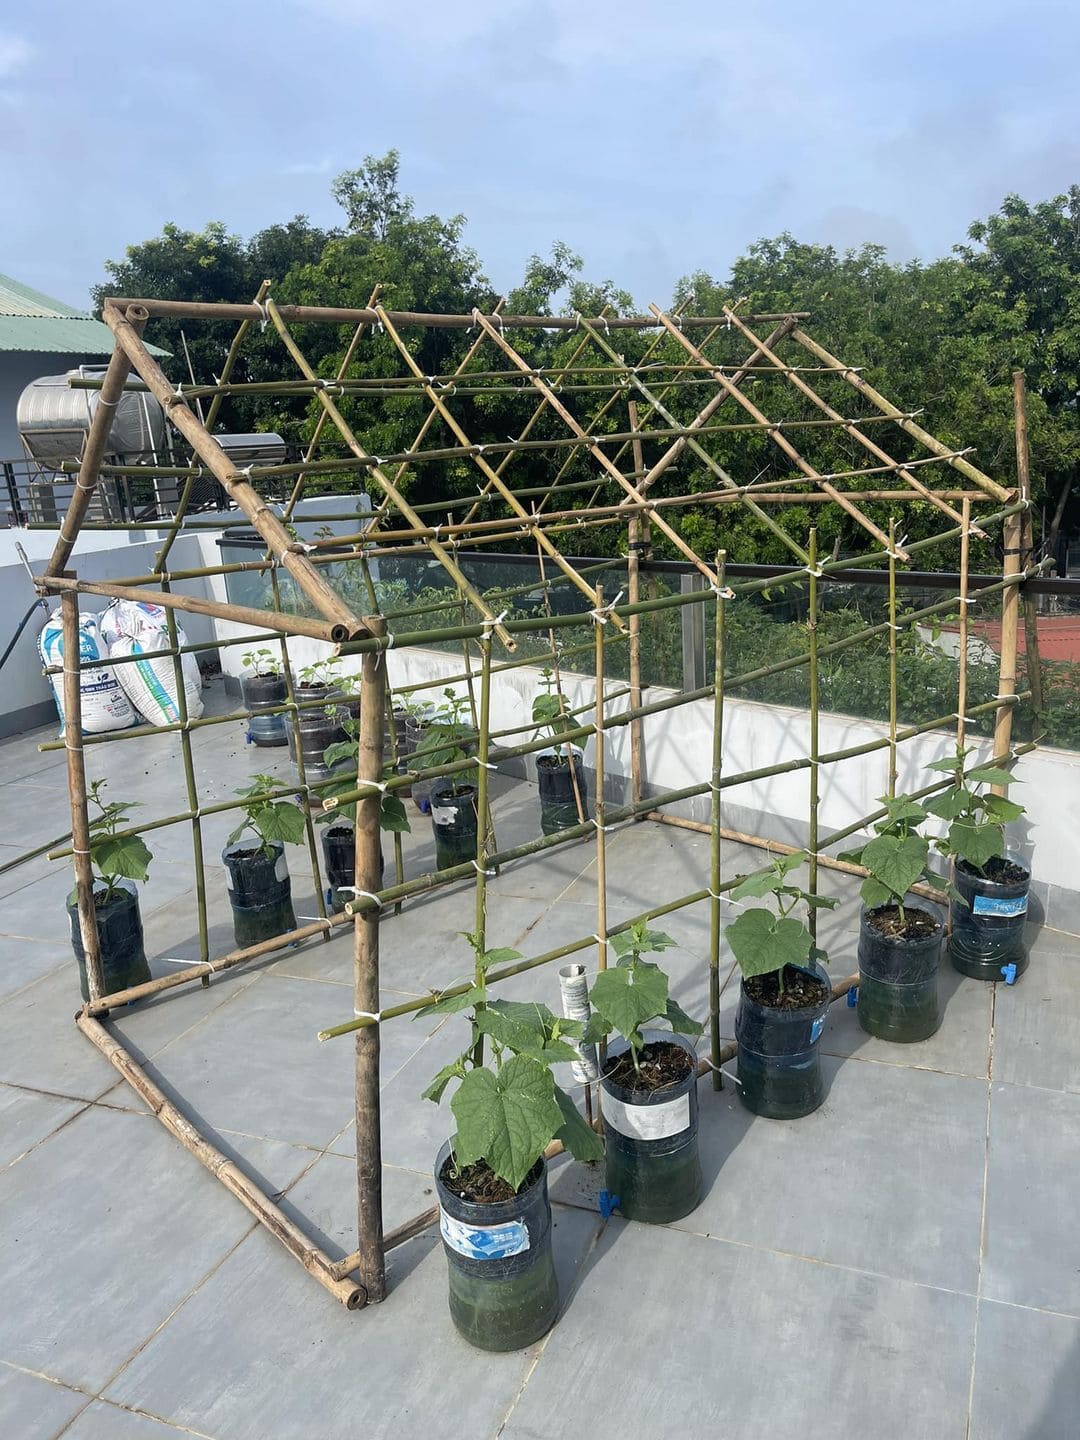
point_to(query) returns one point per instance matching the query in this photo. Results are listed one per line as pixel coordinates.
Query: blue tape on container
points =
(1003, 907)
(485, 1242)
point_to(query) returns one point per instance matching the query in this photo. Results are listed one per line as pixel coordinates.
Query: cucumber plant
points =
(114, 857)
(268, 819)
(634, 992)
(765, 940)
(977, 820)
(897, 857)
(392, 814)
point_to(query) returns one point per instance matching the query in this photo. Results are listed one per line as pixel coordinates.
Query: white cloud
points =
(15, 54)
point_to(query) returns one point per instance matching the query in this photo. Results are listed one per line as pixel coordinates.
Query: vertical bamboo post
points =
(482, 772)
(484, 818)
(391, 724)
(599, 621)
(962, 656)
(893, 631)
(1027, 541)
(1010, 614)
(369, 1227)
(812, 628)
(637, 776)
(714, 868)
(568, 749)
(80, 820)
(190, 784)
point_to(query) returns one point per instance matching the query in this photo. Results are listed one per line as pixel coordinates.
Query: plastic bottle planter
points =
(260, 693)
(319, 727)
(898, 980)
(778, 1065)
(503, 1290)
(120, 940)
(651, 1141)
(453, 819)
(988, 933)
(555, 780)
(339, 862)
(420, 790)
(401, 737)
(260, 892)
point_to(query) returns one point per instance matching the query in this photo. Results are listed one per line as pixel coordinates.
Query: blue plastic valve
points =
(853, 997)
(1009, 971)
(607, 1203)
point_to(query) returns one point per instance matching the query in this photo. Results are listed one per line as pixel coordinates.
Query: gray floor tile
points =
(960, 1047)
(40, 1046)
(108, 1225)
(1036, 1023)
(704, 1353)
(101, 1421)
(32, 1408)
(27, 1117)
(24, 961)
(1032, 1249)
(238, 1360)
(147, 1026)
(1027, 1375)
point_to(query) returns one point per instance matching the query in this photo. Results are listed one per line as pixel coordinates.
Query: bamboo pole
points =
(1010, 613)
(813, 759)
(94, 452)
(600, 804)
(962, 658)
(633, 590)
(568, 749)
(369, 1226)
(314, 1260)
(1033, 662)
(715, 827)
(192, 788)
(893, 632)
(391, 715)
(969, 471)
(481, 863)
(278, 539)
(80, 822)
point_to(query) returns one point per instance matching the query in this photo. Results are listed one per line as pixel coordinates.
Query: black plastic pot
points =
(453, 819)
(651, 1141)
(503, 1290)
(120, 940)
(260, 693)
(555, 781)
(898, 981)
(420, 790)
(778, 1064)
(260, 891)
(339, 860)
(320, 727)
(987, 933)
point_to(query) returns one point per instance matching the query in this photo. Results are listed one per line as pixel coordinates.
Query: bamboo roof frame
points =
(651, 388)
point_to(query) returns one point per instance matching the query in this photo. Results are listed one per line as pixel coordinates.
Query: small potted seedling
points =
(263, 690)
(899, 943)
(117, 861)
(339, 821)
(560, 775)
(989, 907)
(648, 1083)
(491, 1175)
(321, 724)
(446, 740)
(257, 872)
(784, 996)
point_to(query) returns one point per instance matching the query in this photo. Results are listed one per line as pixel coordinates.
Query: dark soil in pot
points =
(777, 1032)
(120, 939)
(503, 1291)
(898, 973)
(987, 932)
(650, 1119)
(260, 892)
(453, 820)
(260, 693)
(555, 781)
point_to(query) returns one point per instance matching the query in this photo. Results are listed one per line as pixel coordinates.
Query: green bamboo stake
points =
(482, 772)
(192, 790)
(893, 632)
(391, 722)
(715, 838)
(812, 758)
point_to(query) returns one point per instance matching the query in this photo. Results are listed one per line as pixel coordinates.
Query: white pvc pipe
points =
(574, 988)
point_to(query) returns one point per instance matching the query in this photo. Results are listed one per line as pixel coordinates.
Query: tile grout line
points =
(982, 1222)
(87, 1105)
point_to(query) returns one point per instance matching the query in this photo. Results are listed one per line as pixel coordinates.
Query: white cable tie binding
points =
(603, 613)
(968, 599)
(360, 894)
(379, 785)
(374, 1016)
(110, 404)
(895, 627)
(76, 851)
(605, 828)
(180, 960)
(815, 571)
(492, 623)
(481, 871)
(264, 313)
(721, 1071)
(388, 640)
(601, 939)
(723, 592)
(484, 764)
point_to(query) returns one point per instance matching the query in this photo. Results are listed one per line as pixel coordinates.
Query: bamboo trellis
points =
(633, 427)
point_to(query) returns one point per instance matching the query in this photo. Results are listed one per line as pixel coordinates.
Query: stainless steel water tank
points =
(53, 419)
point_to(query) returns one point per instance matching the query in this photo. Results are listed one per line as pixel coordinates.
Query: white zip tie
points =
(601, 939)
(603, 614)
(374, 1016)
(481, 871)
(179, 960)
(491, 624)
(360, 894)
(815, 572)
(968, 599)
(721, 1071)
(895, 627)
(76, 851)
(605, 828)
(264, 313)
(724, 592)
(484, 764)
(109, 404)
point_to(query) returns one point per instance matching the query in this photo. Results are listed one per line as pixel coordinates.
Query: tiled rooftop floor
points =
(903, 1263)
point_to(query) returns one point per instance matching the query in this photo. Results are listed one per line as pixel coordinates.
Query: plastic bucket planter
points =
(555, 780)
(778, 1064)
(503, 1290)
(651, 1140)
(261, 693)
(898, 980)
(320, 727)
(401, 741)
(339, 861)
(120, 940)
(987, 934)
(260, 892)
(453, 819)
(420, 790)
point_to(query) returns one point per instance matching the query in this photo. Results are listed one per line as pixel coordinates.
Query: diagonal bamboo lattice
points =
(687, 402)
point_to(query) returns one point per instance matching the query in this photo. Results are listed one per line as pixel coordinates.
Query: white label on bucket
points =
(229, 879)
(484, 1242)
(281, 867)
(646, 1122)
(443, 814)
(1004, 907)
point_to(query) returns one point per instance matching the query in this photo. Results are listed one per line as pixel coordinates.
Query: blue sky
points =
(654, 138)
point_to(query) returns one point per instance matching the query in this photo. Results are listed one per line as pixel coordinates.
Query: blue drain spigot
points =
(1009, 971)
(607, 1203)
(853, 997)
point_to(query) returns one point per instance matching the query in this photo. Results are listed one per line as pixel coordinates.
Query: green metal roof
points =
(30, 320)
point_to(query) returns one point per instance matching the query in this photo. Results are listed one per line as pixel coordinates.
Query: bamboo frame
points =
(666, 381)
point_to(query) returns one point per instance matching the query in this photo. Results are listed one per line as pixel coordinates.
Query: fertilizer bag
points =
(135, 627)
(104, 705)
